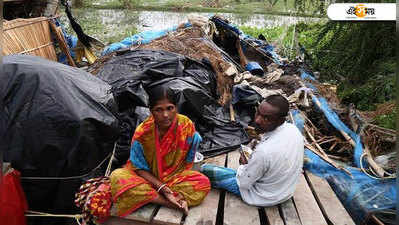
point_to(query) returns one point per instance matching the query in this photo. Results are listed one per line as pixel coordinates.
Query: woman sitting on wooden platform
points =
(161, 157)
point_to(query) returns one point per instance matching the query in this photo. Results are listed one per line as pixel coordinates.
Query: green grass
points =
(95, 28)
(387, 120)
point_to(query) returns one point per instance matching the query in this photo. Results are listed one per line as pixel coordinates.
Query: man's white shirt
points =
(272, 172)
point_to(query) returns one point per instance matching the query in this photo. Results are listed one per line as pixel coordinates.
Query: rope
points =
(31, 213)
(33, 49)
(374, 175)
(77, 217)
(108, 170)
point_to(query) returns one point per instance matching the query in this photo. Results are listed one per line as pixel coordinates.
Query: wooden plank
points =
(306, 205)
(233, 159)
(114, 220)
(273, 215)
(168, 216)
(289, 213)
(217, 160)
(143, 214)
(62, 43)
(236, 212)
(206, 212)
(329, 203)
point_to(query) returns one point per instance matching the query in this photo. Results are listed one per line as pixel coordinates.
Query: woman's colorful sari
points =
(170, 160)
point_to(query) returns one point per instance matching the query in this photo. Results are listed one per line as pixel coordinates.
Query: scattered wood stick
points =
(314, 141)
(336, 157)
(380, 171)
(326, 141)
(320, 153)
(327, 159)
(232, 114)
(332, 146)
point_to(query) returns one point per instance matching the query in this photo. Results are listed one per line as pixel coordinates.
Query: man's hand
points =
(243, 160)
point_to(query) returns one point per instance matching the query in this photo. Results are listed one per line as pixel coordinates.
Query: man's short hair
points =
(279, 102)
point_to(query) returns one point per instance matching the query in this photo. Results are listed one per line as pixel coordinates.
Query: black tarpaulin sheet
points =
(133, 72)
(57, 122)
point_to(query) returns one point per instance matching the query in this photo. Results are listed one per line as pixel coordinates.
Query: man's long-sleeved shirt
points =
(272, 172)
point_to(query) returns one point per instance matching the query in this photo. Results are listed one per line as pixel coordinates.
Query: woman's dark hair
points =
(159, 93)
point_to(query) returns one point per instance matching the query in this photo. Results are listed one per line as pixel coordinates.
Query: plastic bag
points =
(12, 200)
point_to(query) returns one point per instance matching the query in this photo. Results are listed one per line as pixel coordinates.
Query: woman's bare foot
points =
(184, 207)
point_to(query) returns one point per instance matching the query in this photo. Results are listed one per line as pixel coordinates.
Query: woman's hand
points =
(175, 198)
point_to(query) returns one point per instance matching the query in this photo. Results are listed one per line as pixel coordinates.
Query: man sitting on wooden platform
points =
(270, 175)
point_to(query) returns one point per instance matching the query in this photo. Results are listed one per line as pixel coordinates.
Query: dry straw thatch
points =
(28, 36)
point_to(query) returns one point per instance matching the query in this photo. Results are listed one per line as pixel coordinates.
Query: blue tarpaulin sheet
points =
(360, 193)
(144, 37)
(71, 41)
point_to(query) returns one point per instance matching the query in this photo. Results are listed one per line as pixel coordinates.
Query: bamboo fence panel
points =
(28, 36)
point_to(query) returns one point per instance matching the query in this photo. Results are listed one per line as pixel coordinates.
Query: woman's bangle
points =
(160, 187)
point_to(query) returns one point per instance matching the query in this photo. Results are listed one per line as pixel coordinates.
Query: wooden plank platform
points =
(236, 212)
(306, 204)
(314, 202)
(329, 203)
(289, 213)
(273, 215)
(168, 216)
(206, 213)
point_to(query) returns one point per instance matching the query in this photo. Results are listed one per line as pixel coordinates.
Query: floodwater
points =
(111, 25)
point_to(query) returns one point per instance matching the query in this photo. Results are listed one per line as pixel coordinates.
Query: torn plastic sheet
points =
(262, 45)
(194, 84)
(58, 122)
(299, 120)
(306, 76)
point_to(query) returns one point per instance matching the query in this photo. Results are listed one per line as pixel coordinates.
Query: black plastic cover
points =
(133, 72)
(57, 121)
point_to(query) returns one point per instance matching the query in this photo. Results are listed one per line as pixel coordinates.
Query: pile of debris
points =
(198, 42)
